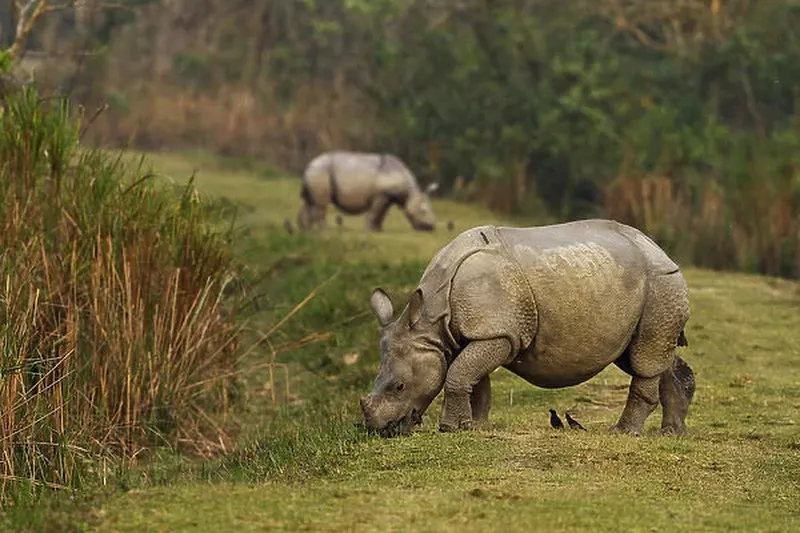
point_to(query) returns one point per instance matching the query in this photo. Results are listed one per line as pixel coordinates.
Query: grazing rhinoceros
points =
(555, 305)
(358, 182)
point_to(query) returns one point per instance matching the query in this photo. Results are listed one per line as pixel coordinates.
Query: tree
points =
(27, 15)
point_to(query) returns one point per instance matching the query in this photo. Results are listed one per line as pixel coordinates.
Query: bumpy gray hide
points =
(555, 305)
(358, 183)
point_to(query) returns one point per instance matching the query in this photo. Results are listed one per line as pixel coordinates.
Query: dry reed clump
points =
(113, 329)
(752, 224)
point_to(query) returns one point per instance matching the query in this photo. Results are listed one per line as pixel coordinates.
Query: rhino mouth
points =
(421, 226)
(402, 426)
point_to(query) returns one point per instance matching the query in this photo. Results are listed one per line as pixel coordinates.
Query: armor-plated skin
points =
(359, 182)
(554, 305)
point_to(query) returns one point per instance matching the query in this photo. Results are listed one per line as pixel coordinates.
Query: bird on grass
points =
(555, 422)
(574, 424)
(450, 225)
(339, 220)
(288, 226)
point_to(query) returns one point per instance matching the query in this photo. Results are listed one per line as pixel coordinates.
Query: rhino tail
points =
(682, 341)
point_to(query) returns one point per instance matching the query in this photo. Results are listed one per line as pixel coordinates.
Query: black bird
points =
(574, 424)
(555, 422)
(288, 226)
(450, 225)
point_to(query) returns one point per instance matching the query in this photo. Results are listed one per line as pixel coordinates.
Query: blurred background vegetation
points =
(678, 117)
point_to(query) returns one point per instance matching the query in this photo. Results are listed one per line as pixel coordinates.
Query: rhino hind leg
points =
(311, 213)
(310, 216)
(642, 401)
(320, 216)
(480, 401)
(651, 358)
(676, 390)
(304, 217)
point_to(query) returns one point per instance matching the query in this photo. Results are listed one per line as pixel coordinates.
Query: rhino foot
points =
(616, 429)
(483, 424)
(449, 428)
(673, 431)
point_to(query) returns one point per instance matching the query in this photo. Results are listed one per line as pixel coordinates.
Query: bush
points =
(113, 334)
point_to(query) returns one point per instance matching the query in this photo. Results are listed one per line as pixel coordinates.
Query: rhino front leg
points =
(377, 212)
(472, 366)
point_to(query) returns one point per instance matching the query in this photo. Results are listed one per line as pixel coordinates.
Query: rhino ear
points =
(414, 308)
(382, 306)
(432, 188)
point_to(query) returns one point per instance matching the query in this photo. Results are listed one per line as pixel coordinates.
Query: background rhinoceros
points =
(360, 182)
(555, 305)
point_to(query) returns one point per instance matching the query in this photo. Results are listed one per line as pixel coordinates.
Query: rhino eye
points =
(400, 387)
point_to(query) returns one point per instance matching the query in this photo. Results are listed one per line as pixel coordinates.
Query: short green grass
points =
(303, 467)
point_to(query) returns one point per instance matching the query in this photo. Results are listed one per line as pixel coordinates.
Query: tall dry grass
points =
(114, 334)
(751, 225)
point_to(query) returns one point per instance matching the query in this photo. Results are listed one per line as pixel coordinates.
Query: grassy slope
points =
(738, 470)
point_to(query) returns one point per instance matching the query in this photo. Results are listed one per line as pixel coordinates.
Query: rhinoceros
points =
(554, 305)
(360, 182)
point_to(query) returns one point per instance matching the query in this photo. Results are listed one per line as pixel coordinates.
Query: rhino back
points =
(658, 262)
(395, 179)
(442, 266)
(588, 282)
(625, 244)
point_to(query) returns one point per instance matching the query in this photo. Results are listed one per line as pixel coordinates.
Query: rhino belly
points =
(574, 343)
(355, 191)
(588, 301)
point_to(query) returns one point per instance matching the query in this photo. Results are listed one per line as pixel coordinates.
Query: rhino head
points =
(412, 370)
(418, 208)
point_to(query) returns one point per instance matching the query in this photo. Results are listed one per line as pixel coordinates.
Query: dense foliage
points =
(677, 117)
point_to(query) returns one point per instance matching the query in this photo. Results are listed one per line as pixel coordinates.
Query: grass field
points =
(301, 466)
